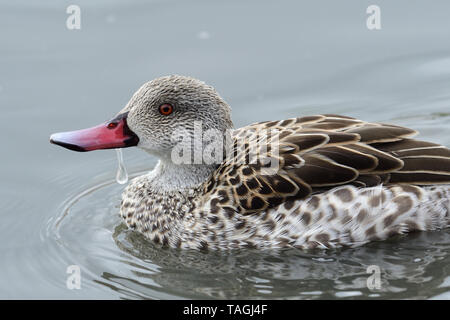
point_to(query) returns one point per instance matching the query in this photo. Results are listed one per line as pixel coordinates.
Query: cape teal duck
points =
(321, 181)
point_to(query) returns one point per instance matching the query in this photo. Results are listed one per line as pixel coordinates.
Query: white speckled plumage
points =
(341, 181)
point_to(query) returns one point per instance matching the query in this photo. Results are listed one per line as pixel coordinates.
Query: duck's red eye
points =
(165, 109)
(112, 125)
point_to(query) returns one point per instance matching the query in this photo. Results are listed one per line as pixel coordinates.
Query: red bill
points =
(110, 135)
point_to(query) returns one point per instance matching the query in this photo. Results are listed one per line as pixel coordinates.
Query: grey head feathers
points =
(193, 102)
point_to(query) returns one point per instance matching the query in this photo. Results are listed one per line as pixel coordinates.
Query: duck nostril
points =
(112, 125)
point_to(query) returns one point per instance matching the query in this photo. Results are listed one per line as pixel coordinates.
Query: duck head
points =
(150, 120)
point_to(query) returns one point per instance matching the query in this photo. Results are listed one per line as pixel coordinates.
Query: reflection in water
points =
(404, 264)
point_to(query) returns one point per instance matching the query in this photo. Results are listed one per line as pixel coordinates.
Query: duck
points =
(313, 182)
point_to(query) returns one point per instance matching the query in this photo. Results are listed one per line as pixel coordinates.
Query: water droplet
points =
(122, 174)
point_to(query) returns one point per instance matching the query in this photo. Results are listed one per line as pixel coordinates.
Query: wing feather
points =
(320, 152)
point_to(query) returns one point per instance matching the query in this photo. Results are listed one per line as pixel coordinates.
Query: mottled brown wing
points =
(318, 152)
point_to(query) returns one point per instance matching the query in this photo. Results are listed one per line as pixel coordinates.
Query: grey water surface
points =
(269, 60)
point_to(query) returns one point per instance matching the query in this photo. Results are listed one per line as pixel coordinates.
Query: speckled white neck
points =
(169, 177)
